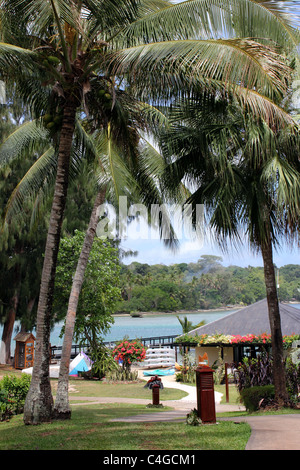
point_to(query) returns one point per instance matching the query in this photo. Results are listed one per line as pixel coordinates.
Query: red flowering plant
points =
(127, 352)
(250, 338)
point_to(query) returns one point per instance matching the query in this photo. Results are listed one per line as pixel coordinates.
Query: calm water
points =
(154, 325)
(143, 327)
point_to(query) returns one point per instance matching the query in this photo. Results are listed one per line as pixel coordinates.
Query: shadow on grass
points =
(90, 428)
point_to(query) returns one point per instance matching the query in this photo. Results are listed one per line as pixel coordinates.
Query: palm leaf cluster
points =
(244, 172)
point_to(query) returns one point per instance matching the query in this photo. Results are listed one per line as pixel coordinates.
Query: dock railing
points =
(153, 341)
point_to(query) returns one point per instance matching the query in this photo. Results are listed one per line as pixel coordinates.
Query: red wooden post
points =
(226, 383)
(155, 395)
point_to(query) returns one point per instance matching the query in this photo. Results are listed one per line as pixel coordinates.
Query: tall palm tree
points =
(118, 151)
(247, 174)
(77, 49)
(122, 166)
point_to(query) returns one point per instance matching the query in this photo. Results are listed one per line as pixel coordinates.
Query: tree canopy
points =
(192, 286)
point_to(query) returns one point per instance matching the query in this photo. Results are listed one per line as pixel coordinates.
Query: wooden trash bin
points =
(206, 409)
(24, 353)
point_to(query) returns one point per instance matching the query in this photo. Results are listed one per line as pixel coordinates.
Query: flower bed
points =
(218, 339)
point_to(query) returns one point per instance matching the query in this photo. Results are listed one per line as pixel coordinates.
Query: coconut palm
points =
(77, 51)
(247, 174)
(188, 325)
(120, 144)
(124, 160)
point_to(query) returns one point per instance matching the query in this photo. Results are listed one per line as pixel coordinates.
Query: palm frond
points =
(214, 19)
(41, 14)
(284, 180)
(235, 62)
(28, 137)
(35, 186)
(113, 172)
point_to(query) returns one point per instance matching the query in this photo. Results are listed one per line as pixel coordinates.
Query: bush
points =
(103, 362)
(187, 373)
(259, 372)
(292, 380)
(13, 391)
(127, 352)
(122, 375)
(252, 396)
(254, 372)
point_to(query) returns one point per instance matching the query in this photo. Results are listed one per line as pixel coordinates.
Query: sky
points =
(151, 250)
(154, 252)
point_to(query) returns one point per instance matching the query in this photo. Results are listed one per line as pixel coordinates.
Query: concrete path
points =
(277, 432)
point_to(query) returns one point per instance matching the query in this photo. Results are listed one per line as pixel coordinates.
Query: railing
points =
(153, 341)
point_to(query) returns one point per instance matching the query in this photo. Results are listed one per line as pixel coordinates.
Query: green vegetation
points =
(91, 429)
(203, 285)
(100, 290)
(252, 396)
(13, 391)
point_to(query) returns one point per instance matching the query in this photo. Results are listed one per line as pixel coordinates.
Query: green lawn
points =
(90, 426)
(90, 429)
(91, 388)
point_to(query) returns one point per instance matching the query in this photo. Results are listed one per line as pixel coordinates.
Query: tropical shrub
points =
(128, 352)
(13, 391)
(102, 362)
(253, 373)
(252, 396)
(292, 372)
(187, 373)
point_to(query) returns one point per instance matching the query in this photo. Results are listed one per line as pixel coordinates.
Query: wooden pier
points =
(153, 341)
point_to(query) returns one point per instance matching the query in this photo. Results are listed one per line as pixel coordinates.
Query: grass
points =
(90, 426)
(90, 388)
(90, 429)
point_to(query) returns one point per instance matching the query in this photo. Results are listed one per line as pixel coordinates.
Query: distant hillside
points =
(202, 285)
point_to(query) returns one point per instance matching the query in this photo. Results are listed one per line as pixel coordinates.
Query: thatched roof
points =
(252, 319)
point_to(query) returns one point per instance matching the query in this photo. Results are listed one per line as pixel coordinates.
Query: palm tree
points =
(119, 153)
(122, 166)
(188, 325)
(247, 175)
(77, 50)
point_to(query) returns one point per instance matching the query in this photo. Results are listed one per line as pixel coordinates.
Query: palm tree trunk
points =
(279, 379)
(5, 346)
(39, 401)
(62, 409)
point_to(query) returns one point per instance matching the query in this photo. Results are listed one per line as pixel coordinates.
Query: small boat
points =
(159, 372)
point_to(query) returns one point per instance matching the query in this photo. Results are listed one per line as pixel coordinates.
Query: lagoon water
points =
(149, 325)
(152, 325)
(144, 327)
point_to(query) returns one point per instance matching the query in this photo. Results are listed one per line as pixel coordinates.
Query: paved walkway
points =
(277, 432)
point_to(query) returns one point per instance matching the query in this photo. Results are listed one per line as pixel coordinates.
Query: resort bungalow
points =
(244, 333)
